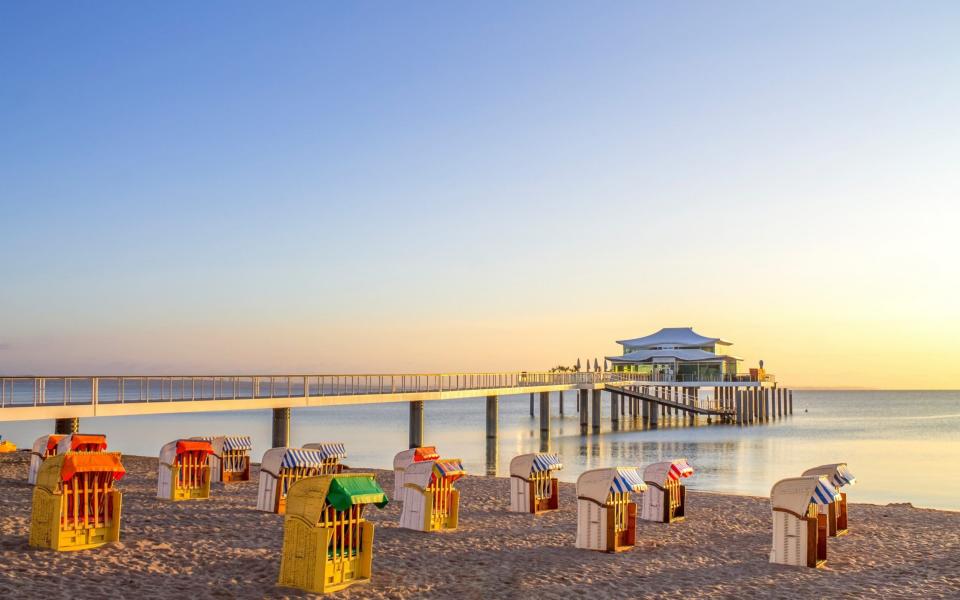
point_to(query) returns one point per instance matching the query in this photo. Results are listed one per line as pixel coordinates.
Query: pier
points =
(740, 399)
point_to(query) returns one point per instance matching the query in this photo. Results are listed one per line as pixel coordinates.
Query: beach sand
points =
(223, 548)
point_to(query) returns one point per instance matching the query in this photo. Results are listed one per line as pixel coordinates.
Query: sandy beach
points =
(222, 548)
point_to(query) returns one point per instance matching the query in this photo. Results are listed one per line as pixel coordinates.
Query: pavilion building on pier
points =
(677, 354)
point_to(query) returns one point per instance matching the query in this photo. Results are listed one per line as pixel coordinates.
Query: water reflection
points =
(911, 433)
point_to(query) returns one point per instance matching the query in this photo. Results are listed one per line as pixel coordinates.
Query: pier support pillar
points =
(281, 427)
(493, 417)
(738, 406)
(790, 398)
(493, 431)
(544, 415)
(614, 408)
(768, 405)
(531, 405)
(416, 424)
(595, 416)
(779, 403)
(583, 411)
(560, 398)
(67, 426)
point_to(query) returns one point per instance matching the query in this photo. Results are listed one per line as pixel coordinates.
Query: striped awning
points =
(301, 457)
(679, 469)
(824, 493)
(237, 442)
(333, 450)
(448, 468)
(628, 479)
(843, 477)
(546, 462)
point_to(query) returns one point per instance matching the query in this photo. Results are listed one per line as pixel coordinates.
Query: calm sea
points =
(902, 446)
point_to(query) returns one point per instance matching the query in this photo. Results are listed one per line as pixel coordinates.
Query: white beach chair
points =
(533, 488)
(666, 498)
(606, 517)
(799, 528)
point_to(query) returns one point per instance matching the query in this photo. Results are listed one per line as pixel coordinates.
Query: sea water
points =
(902, 446)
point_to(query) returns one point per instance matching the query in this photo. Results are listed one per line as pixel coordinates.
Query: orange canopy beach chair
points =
(46, 446)
(184, 472)
(75, 505)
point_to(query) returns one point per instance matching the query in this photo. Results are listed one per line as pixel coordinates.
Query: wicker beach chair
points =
(327, 543)
(799, 527)
(666, 498)
(840, 476)
(184, 470)
(606, 516)
(533, 487)
(431, 502)
(75, 504)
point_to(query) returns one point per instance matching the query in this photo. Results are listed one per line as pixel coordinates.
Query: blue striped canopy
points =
(843, 476)
(546, 462)
(824, 493)
(333, 450)
(301, 457)
(628, 479)
(237, 442)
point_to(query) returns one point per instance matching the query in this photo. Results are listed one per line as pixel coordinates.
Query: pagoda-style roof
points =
(678, 336)
(692, 355)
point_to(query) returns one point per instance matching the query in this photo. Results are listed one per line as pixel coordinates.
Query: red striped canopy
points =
(679, 469)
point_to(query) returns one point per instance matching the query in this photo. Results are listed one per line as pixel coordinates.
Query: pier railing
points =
(79, 390)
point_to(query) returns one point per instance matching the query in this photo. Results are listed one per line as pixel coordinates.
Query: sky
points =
(237, 187)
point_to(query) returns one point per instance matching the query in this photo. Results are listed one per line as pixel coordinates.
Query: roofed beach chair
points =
(82, 442)
(230, 459)
(606, 517)
(799, 527)
(533, 487)
(184, 470)
(839, 475)
(666, 498)
(280, 468)
(44, 447)
(403, 460)
(431, 503)
(75, 504)
(327, 544)
(50, 445)
(334, 453)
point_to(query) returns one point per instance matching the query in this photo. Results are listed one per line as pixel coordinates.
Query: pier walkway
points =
(70, 398)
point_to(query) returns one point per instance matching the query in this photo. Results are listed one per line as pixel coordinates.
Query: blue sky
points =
(382, 186)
